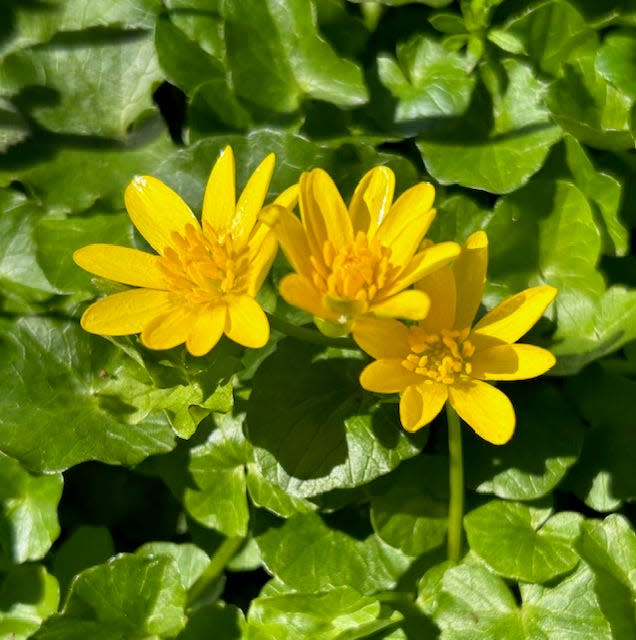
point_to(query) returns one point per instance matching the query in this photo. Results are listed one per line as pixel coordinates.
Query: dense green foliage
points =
(149, 494)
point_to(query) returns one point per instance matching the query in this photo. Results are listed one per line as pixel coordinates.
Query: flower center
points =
(439, 357)
(355, 272)
(204, 267)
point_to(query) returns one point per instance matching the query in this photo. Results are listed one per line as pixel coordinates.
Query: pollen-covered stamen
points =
(357, 271)
(439, 357)
(204, 267)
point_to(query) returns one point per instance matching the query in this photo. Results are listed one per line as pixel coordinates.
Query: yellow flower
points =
(202, 283)
(359, 260)
(442, 358)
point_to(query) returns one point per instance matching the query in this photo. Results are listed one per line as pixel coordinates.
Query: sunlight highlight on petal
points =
(387, 376)
(246, 323)
(219, 200)
(371, 201)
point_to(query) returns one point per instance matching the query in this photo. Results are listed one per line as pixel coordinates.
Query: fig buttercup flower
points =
(361, 259)
(443, 358)
(202, 282)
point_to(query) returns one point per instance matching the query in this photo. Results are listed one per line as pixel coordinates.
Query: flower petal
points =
(206, 330)
(311, 215)
(421, 403)
(515, 315)
(261, 258)
(484, 408)
(289, 197)
(407, 222)
(301, 293)
(126, 312)
(293, 241)
(157, 211)
(371, 201)
(410, 305)
(381, 337)
(251, 201)
(511, 362)
(219, 200)
(470, 277)
(387, 376)
(168, 330)
(440, 288)
(425, 262)
(121, 264)
(324, 199)
(246, 323)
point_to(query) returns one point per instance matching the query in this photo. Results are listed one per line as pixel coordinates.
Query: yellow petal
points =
(511, 362)
(293, 241)
(515, 315)
(328, 203)
(121, 264)
(470, 277)
(410, 305)
(246, 322)
(219, 200)
(485, 409)
(288, 198)
(387, 376)
(168, 330)
(407, 223)
(126, 312)
(206, 330)
(345, 307)
(301, 293)
(420, 404)
(440, 288)
(157, 211)
(425, 262)
(311, 215)
(260, 259)
(371, 200)
(251, 201)
(381, 337)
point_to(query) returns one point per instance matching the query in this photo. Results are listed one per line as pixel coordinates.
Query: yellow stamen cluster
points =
(355, 272)
(439, 357)
(204, 267)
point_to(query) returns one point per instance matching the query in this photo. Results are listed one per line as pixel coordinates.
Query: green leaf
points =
(28, 595)
(329, 615)
(521, 542)
(189, 560)
(28, 513)
(84, 548)
(500, 154)
(473, 604)
(226, 620)
(411, 511)
(77, 176)
(589, 107)
(130, 597)
(616, 61)
(609, 547)
(308, 555)
(547, 442)
(218, 499)
(550, 33)
(109, 91)
(277, 57)
(428, 82)
(54, 415)
(604, 475)
(13, 127)
(603, 191)
(310, 428)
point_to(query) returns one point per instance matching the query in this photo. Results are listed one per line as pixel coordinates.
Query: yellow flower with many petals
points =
(202, 283)
(350, 262)
(443, 359)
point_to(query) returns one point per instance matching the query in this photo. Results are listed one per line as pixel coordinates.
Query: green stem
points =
(456, 483)
(217, 564)
(308, 335)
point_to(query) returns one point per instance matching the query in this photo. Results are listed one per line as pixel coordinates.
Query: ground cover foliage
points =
(263, 494)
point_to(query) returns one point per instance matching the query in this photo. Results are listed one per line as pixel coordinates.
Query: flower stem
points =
(206, 581)
(456, 483)
(308, 335)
